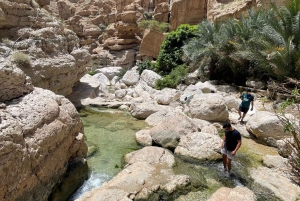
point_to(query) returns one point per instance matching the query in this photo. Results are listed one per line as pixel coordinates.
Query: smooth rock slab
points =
(270, 186)
(143, 137)
(168, 133)
(233, 194)
(200, 146)
(148, 174)
(145, 109)
(210, 107)
(267, 128)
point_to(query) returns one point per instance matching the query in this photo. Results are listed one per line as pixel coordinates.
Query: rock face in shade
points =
(41, 136)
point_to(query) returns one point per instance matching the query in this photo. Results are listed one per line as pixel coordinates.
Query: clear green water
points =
(110, 134)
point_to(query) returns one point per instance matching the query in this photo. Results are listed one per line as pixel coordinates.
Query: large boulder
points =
(168, 133)
(14, 83)
(131, 77)
(151, 43)
(187, 12)
(232, 102)
(145, 109)
(190, 90)
(166, 96)
(42, 135)
(268, 185)
(157, 117)
(266, 127)
(231, 194)
(150, 77)
(100, 78)
(210, 107)
(200, 146)
(151, 155)
(143, 137)
(206, 87)
(109, 72)
(147, 176)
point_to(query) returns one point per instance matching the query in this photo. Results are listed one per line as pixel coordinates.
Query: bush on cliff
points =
(21, 59)
(145, 65)
(170, 54)
(173, 79)
(155, 25)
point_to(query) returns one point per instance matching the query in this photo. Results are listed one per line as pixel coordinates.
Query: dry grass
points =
(21, 59)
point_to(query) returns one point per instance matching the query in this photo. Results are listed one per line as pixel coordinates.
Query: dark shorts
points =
(243, 109)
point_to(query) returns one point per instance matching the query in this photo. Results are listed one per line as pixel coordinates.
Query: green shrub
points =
(290, 125)
(90, 72)
(147, 16)
(170, 54)
(145, 65)
(155, 25)
(263, 44)
(173, 79)
(21, 59)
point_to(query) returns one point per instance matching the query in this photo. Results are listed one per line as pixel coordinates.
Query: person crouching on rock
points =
(231, 143)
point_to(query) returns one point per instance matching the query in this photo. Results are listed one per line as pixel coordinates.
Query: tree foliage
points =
(264, 44)
(145, 65)
(170, 55)
(291, 125)
(173, 79)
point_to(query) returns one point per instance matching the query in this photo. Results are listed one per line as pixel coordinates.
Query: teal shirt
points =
(247, 100)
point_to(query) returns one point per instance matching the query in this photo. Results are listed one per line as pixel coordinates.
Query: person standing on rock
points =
(247, 99)
(231, 143)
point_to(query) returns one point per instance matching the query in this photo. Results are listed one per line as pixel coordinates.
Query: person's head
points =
(248, 91)
(227, 126)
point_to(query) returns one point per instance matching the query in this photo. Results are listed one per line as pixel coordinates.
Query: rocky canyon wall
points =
(109, 29)
(54, 58)
(41, 135)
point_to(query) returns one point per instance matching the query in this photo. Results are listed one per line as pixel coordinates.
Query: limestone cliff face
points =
(55, 60)
(41, 134)
(187, 12)
(108, 29)
(223, 9)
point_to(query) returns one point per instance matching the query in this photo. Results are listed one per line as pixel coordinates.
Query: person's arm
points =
(224, 139)
(242, 96)
(237, 147)
(252, 103)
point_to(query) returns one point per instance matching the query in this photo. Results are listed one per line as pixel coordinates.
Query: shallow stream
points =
(110, 134)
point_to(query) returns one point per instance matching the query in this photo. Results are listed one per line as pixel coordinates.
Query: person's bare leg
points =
(240, 114)
(229, 164)
(224, 157)
(244, 114)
